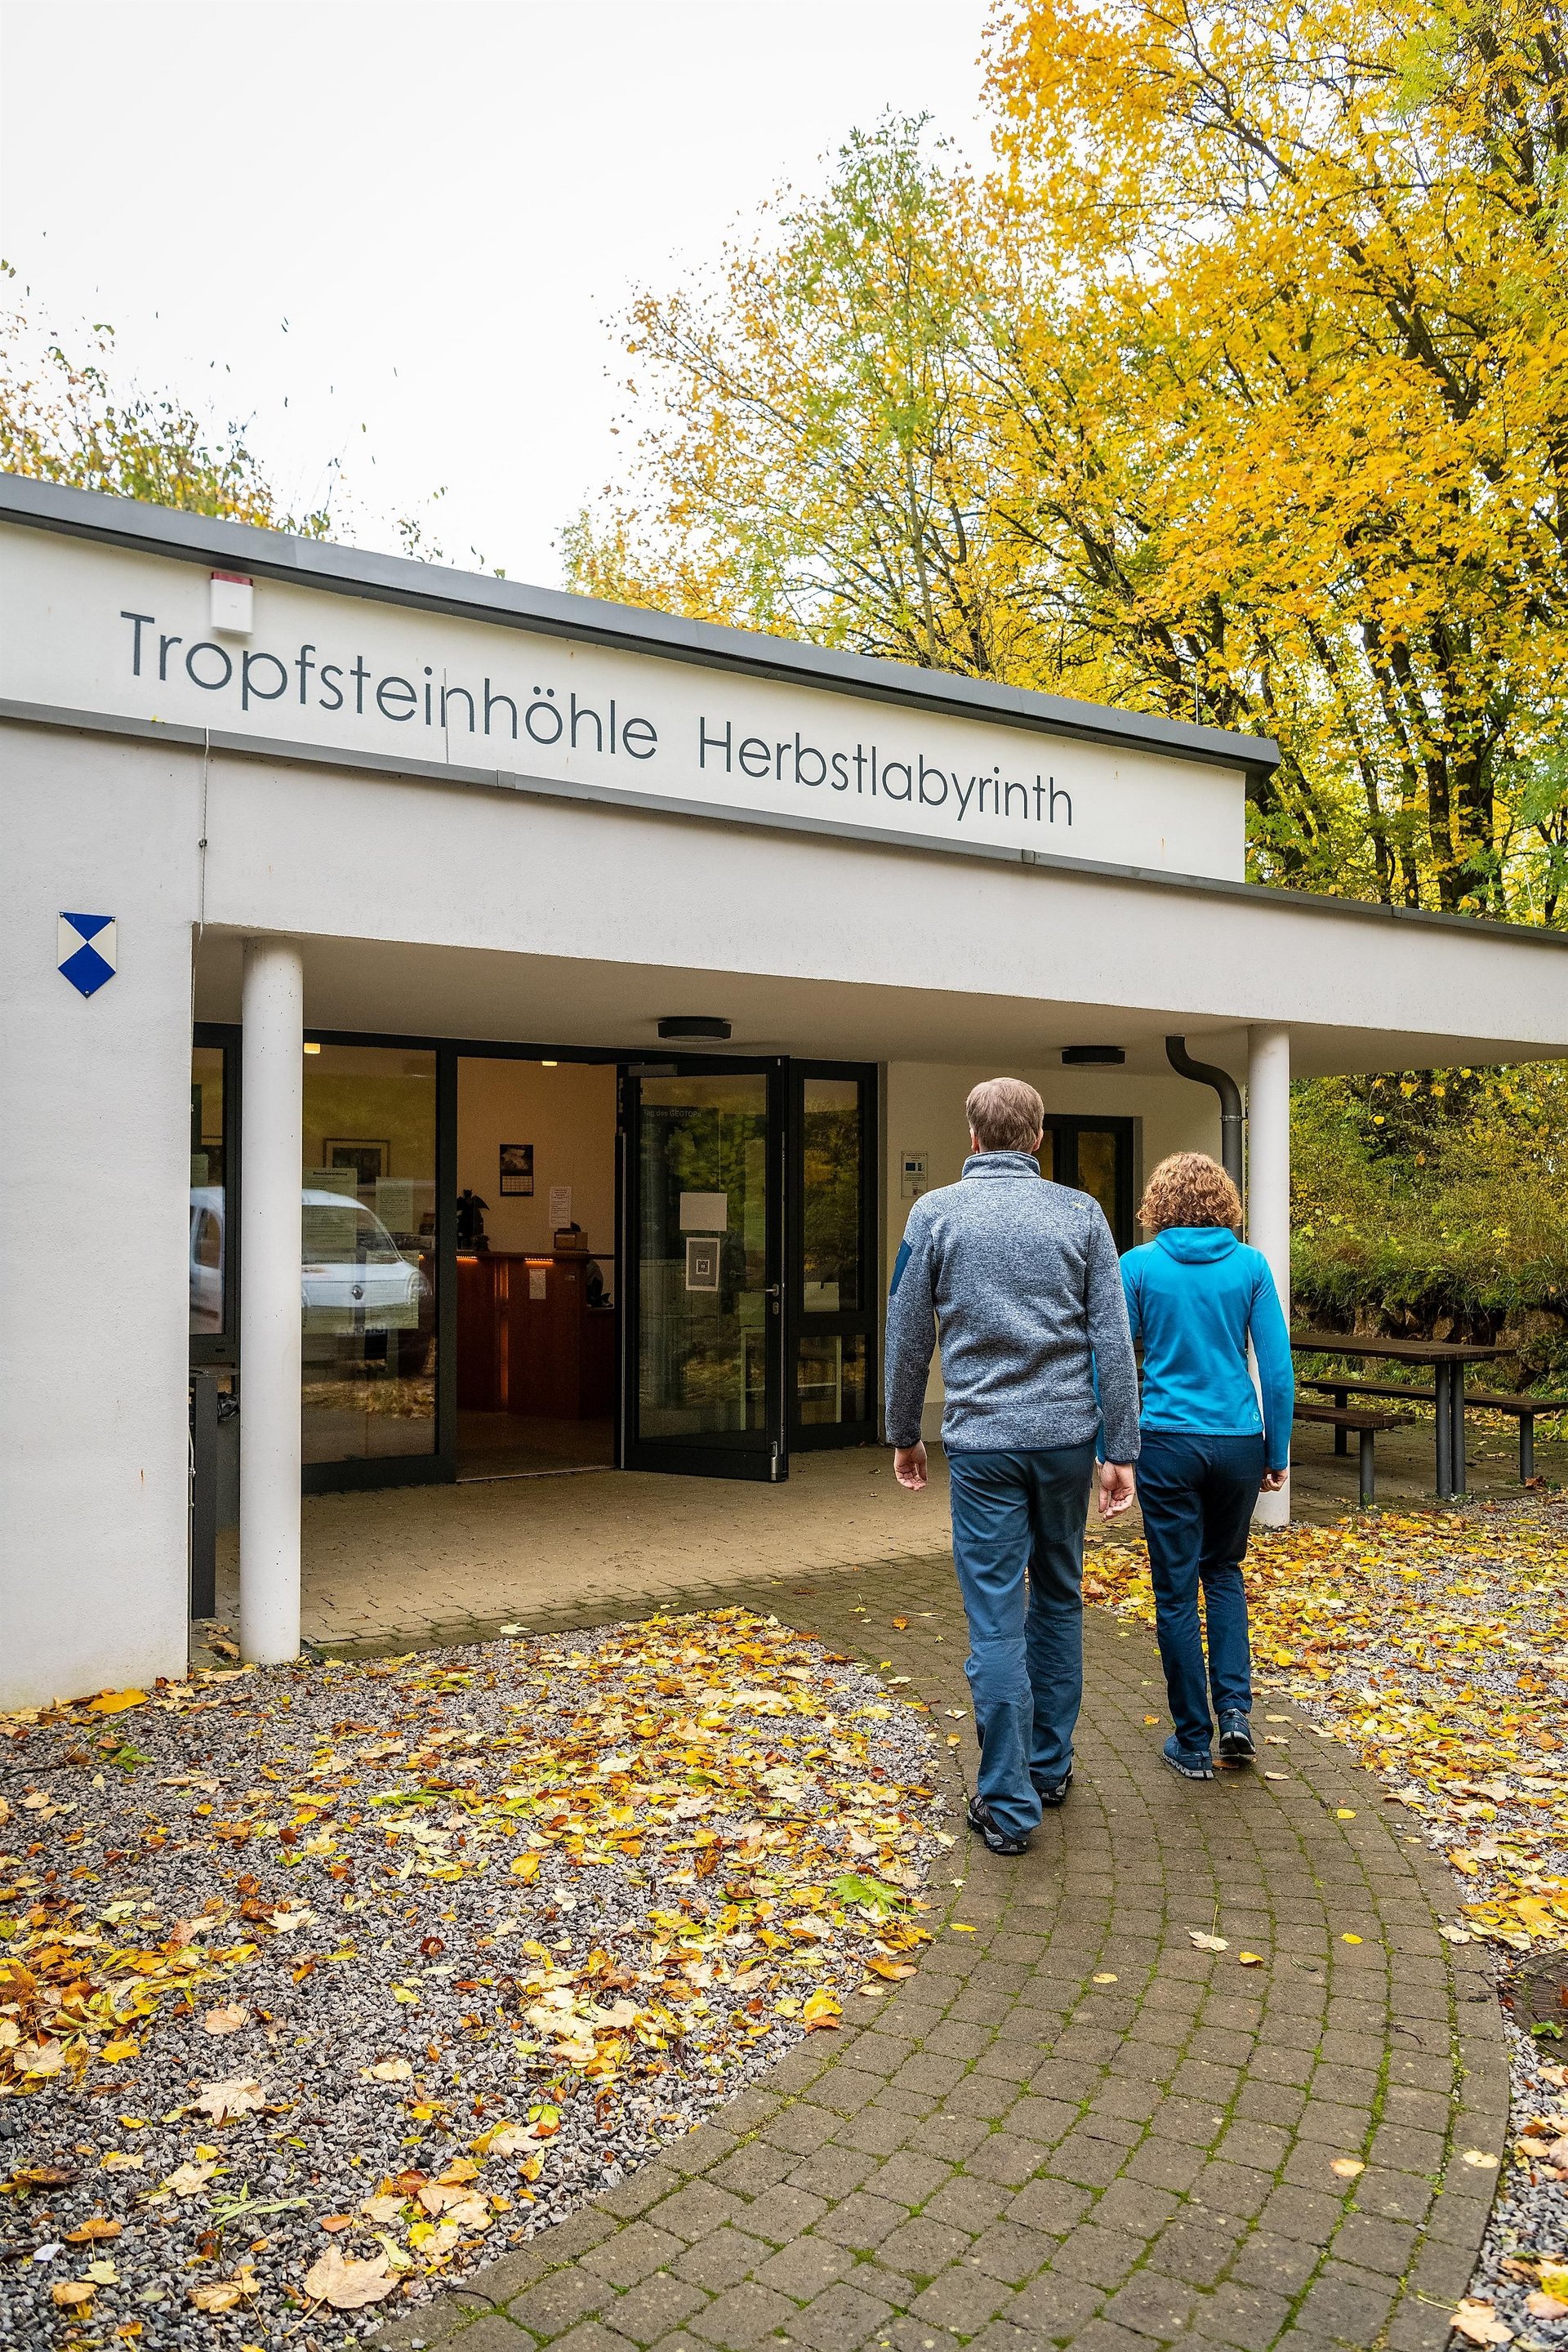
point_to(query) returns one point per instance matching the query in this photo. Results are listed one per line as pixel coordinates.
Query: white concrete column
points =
(1269, 1188)
(271, 1107)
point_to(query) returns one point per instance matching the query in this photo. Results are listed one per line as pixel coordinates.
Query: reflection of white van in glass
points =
(354, 1281)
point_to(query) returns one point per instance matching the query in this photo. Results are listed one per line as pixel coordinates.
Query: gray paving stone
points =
(743, 2317)
(861, 2221)
(923, 2246)
(649, 2311)
(839, 2320)
(721, 2260)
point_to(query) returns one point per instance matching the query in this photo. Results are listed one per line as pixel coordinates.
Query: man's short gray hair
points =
(1004, 1114)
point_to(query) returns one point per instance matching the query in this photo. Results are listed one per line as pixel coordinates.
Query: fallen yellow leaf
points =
(349, 2286)
(242, 2095)
(1478, 2323)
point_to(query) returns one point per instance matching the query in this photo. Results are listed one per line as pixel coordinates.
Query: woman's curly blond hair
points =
(1189, 1188)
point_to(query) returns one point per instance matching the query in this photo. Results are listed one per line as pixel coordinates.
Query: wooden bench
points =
(1341, 1389)
(1524, 1410)
(1366, 1425)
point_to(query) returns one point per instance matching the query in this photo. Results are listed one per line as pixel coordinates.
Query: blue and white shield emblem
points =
(87, 950)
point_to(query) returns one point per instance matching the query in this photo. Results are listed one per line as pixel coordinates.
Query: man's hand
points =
(1273, 1480)
(1115, 1489)
(909, 1466)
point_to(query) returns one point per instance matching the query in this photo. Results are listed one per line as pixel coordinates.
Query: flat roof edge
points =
(326, 565)
(1260, 895)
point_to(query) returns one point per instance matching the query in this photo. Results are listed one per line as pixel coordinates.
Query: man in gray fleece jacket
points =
(1020, 1280)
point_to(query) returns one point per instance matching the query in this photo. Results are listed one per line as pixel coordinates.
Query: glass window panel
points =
(830, 1380)
(209, 1192)
(368, 1253)
(1046, 1155)
(1097, 1167)
(830, 1270)
(703, 1330)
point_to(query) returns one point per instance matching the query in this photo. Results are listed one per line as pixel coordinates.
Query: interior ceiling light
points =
(549, 1066)
(693, 1024)
(311, 1047)
(1078, 1056)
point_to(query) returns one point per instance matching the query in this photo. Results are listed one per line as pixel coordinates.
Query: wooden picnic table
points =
(1446, 1360)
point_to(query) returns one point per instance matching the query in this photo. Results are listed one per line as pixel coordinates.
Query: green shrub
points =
(1434, 1204)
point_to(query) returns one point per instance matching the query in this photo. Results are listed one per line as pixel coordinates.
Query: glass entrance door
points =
(1094, 1155)
(703, 1254)
(833, 1210)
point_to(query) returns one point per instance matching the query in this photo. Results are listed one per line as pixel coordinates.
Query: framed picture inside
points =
(369, 1162)
(517, 1171)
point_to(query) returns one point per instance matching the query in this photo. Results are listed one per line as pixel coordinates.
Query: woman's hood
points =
(1197, 1244)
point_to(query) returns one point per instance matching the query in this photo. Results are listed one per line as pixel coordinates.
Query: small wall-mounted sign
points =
(913, 1174)
(702, 1262)
(87, 950)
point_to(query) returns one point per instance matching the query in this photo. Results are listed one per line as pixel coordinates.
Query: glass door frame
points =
(1064, 1128)
(864, 1320)
(768, 1459)
(222, 1348)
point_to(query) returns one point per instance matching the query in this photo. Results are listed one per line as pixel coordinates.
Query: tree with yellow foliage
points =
(1238, 387)
(63, 420)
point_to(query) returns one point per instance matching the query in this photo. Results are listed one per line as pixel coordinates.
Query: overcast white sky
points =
(420, 220)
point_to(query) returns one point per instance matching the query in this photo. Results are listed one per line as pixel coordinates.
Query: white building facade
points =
(482, 1030)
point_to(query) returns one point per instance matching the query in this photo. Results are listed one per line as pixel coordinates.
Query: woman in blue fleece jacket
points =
(1195, 1295)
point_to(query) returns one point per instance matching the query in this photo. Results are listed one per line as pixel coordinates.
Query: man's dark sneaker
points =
(1191, 1763)
(1051, 1792)
(1000, 1841)
(1236, 1739)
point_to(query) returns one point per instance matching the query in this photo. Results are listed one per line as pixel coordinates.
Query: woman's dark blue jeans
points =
(1197, 1494)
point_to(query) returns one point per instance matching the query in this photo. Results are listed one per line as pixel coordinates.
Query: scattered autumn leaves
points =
(1436, 1649)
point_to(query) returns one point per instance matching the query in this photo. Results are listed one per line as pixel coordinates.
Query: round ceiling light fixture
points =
(694, 1025)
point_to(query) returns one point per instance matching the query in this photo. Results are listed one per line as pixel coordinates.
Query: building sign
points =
(104, 630)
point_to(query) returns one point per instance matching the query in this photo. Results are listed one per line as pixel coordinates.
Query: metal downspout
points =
(1208, 1074)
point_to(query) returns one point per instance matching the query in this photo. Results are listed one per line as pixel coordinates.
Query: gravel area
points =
(1523, 2269)
(322, 1983)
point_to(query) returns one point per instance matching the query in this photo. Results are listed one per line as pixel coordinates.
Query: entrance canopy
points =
(290, 793)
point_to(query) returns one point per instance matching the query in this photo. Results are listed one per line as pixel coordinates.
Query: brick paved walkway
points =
(1007, 2152)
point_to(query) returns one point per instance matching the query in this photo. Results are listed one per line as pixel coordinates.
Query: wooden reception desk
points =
(528, 1340)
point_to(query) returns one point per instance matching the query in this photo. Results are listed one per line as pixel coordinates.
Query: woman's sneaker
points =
(984, 1824)
(1191, 1763)
(1236, 1739)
